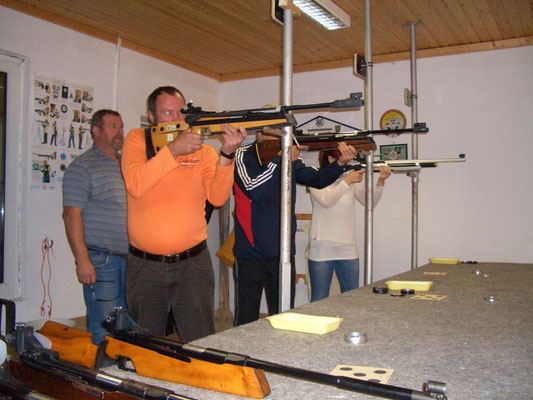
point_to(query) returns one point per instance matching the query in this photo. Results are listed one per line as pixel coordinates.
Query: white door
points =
(12, 178)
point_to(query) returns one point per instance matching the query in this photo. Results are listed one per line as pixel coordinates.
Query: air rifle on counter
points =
(208, 123)
(125, 330)
(39, 372)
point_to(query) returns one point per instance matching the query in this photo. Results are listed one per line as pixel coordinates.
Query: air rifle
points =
(208, 123)
(124, 329)
(41, 368)
(360, 140)
(404, 166)
(36, 366)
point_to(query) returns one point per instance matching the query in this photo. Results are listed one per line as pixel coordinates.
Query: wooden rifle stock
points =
(269, 148)
(233, 379)
(211, 124)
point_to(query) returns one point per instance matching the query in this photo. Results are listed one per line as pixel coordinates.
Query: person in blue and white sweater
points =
(257, 190)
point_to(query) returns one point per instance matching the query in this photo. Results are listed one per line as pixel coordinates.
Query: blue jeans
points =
(106, 294)
(321, 273)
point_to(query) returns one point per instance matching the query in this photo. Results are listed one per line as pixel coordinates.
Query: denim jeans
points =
(321, 273)
(106, 294)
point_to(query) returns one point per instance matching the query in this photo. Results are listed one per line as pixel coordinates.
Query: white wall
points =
(478, 104)
(56, 52)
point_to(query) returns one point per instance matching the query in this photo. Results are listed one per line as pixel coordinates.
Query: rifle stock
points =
(239, 380)
(269, 148)
(165, 132)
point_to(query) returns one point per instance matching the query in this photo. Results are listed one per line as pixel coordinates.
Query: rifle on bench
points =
(41, 368)
(124, 329)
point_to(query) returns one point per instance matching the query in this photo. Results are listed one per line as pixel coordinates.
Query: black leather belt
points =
(111, 253)
(171, 258)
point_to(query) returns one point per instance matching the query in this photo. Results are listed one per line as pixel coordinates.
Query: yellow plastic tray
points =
(436, 260)
(418, 286)
(304, 323)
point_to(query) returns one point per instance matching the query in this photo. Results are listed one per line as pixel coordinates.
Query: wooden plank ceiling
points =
(237, 39)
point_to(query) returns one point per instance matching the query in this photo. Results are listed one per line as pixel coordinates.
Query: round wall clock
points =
(393, 119)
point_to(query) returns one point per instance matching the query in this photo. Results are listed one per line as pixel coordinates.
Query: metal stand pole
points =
(223, 314)
(414, 151)
(286, 172)
(116, 73)
(369, 176)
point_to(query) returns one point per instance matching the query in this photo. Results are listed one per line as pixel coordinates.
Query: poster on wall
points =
(62, 114)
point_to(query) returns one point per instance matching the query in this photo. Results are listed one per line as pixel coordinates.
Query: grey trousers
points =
(187, 287)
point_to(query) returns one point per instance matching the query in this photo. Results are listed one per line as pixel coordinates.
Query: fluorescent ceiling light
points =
(325, 12)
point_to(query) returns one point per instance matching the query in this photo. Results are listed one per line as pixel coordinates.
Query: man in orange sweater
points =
(168, 266)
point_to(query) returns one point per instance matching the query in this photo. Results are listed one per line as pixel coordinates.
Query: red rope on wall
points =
(46, 249)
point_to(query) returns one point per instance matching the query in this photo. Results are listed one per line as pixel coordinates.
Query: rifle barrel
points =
(354, 100)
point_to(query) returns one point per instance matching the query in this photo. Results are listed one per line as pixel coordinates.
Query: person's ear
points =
(151, 116)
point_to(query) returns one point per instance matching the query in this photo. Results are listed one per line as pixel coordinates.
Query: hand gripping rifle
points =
(124, 329)
(208, 123)
(41, 368)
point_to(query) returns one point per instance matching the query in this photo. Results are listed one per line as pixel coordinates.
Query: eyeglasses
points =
(171, 113)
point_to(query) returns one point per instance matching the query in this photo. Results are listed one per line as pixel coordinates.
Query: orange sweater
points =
(166, 196)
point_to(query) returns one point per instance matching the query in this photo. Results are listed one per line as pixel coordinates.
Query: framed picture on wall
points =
(393, 151)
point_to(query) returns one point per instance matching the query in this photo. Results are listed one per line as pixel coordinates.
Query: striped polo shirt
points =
(93, 182)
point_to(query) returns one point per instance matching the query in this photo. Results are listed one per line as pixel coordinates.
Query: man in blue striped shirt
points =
(94, 212)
